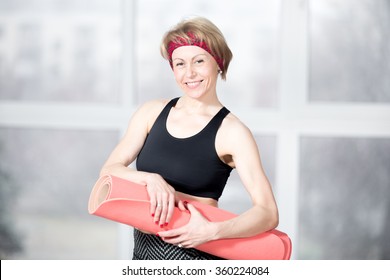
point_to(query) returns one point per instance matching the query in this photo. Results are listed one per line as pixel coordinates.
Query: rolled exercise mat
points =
(128, 203)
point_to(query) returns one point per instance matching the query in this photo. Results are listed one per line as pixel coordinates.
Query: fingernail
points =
(166, 224)
(158, 235)
(156, 222)
(161, 225)
(185, 202)
(153, 215)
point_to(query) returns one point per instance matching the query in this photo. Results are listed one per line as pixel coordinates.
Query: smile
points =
(193, 84)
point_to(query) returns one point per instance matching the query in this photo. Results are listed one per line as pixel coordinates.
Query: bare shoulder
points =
(233, 128)
(149, 111)
(153, 106)
(234, 141)
(232, 136)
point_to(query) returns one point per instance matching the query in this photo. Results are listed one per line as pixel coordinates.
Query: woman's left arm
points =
(263, 215)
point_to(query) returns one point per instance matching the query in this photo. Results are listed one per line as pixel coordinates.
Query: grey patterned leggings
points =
(151, 247)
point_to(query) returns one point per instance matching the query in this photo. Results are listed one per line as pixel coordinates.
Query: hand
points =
(162, 199)
(197, 231)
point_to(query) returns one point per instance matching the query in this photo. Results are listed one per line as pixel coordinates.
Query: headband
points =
(180, 42)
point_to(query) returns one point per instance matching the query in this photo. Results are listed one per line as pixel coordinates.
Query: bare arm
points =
(263, 215)
(129, 146)
(162, 195)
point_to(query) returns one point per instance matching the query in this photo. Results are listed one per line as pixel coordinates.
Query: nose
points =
(190, 71)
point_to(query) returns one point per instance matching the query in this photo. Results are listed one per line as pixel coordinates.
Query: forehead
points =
(184, 52)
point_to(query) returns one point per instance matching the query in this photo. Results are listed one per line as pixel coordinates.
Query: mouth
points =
(193, 84)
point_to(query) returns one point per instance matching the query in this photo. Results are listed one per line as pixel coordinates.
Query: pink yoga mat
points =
(126, 202)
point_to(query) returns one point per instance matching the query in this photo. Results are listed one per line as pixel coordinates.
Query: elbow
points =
(273, 219)
(269, 220)
(104, 171)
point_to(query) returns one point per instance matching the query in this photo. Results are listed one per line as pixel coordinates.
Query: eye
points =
(199, 61)
(179, 64)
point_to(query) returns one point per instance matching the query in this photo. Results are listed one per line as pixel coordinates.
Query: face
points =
(195, 70)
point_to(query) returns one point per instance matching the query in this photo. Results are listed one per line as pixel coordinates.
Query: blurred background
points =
(311, 79)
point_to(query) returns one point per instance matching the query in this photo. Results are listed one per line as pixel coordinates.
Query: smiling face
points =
(195, 70)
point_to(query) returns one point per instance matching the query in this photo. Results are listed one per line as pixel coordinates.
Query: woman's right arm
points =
(131, 143)
(162, 195)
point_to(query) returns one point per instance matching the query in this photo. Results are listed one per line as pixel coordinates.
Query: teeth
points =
(192, 84)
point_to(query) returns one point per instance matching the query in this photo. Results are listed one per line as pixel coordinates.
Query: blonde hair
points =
(204, 31)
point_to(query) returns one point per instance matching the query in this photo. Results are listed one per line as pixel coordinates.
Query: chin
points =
(195, 96)
(194, 93)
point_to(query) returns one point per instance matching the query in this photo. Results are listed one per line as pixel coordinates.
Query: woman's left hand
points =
(197, 231)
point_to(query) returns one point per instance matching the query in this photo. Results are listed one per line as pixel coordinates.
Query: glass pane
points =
(46, 177)
(235, 197)
(252, 75)
(60, 50)
(350, 50)
(344, 209)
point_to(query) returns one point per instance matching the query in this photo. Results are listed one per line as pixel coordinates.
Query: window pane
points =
(350, 50)
(344, 210)
(252, 76)
(46, 177)
(60, 50)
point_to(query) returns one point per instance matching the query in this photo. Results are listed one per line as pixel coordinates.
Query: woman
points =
(186, 148)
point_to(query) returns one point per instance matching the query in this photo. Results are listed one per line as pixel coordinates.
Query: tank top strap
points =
(165, 112)
(216, 121)
(173, 102)
(170, 104)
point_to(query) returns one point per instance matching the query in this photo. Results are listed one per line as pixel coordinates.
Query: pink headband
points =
(180, 42)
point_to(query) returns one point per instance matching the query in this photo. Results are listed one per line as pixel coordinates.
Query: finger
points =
(153, 204)
(195, 214)
(173, 240)
(187, 245)
(191, 208)
(164, 209)
(170, 209)
(173, 233)
(158, 209)
(182, 205)
(157, 212)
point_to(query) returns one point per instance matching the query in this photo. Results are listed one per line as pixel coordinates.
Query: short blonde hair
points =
(203, 30)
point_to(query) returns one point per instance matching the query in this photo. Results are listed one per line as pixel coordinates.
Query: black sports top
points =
(190, 165)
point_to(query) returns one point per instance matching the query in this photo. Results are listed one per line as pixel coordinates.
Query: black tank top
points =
(191, 165)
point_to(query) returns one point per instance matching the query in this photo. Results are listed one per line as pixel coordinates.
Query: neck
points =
(200, 104)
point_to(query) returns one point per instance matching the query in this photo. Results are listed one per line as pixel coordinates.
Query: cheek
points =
(209, 71)
(178, 75)
(210, 74)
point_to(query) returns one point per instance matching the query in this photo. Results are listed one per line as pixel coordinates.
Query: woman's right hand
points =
(162, 199)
